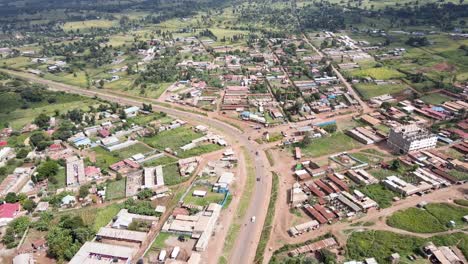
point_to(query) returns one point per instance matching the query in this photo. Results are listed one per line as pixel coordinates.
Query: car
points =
(252, 219)
(258, 179)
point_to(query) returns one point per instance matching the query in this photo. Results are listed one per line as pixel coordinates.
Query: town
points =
(227, 135)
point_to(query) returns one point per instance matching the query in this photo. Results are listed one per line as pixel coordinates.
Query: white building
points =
(409, 138)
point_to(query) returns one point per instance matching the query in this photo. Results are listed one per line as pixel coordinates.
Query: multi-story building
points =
(409, 138)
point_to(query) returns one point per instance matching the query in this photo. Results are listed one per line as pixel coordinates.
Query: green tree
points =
(47, 169)
(28, 205)
(11, 197)
(84, 191)
(42, 121)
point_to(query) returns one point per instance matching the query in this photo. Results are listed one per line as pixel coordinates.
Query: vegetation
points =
(433, 218)
(380, 194)
(337, 142)
(268, 225)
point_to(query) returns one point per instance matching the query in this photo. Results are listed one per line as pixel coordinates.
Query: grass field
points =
(61, 181)
(173, 139)
(458, 174)
(368, 91)
(88, 24)
(335, 143)
(202, 149)
(382, 73)
(381, 244)
(434, 218)
(172, 176)
(380, 194)
(95, 217)
(165, 160)
(133, 149)
(18, 118)
(435, 98)
(210, 197)
(115, 189)
(105, 158)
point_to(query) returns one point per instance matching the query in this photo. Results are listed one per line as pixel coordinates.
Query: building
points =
(409, 138)
(153, 177)
(75, 171)
(8, 212)
(302, 228)
(124, 219)
(97, 253)
(121, 235)
(25, 258)
(199, 226)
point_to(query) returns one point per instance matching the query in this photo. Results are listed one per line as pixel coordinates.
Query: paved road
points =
(247, 240)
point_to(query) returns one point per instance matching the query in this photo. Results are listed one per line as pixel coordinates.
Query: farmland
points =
(368, 91)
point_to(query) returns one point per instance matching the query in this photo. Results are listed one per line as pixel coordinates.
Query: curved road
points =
(249, 235)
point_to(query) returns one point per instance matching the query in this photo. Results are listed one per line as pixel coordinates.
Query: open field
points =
(88, 24)
(382, 73)
(138, 148)
(335, 143)
(105, 158)
(173, 139)
(381, 244)
(116, 189)
(433, 218)
(368, 91)
(380, 194)
(172, 176)
(211, 197)
(435, 98)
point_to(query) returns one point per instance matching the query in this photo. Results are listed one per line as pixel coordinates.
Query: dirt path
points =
(281, 237)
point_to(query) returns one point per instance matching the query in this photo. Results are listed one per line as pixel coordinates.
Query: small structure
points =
(8, 212)
(75, 171)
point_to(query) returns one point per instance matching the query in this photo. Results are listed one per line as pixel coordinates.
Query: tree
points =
(28, 205)
(386, 105)
(306, 140)
(395, 164)
(42, 121)
(11, 197)
(145, 194)
(39, 140)
(47, 169)
(21, 153)
(84, 191)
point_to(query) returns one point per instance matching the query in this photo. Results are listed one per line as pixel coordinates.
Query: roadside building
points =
(94, 252)
(409, 138)
(75, 171)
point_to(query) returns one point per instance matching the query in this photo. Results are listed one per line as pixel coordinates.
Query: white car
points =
(252, 219)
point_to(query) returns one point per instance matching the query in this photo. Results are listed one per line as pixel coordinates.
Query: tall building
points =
(409, 138)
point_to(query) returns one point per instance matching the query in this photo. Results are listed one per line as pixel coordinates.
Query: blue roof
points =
(438, 108)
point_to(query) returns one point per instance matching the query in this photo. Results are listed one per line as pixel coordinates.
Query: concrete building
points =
(75, 171)
(409, 138)
(153, 177)
(97, 253)
(124, 219)
(199, 226)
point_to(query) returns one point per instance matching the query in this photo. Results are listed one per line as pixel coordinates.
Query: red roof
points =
(8, 210)
(323, 186)
(55, 147)
(324, 212)
(315, 190)
(3, 143)
(312, 212)
(91, 171)
(180, 211)
(339, 182)
(104, 133)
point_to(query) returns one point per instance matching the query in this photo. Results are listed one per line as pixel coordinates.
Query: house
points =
(68, 200)
(132, 111)
(8, 212)
(94, 252)
(42, 207)
(75, 171)
(124, 219)
(25, 258)
(92, 172)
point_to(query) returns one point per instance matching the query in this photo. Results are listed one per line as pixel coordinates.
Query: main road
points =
(249, 234)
